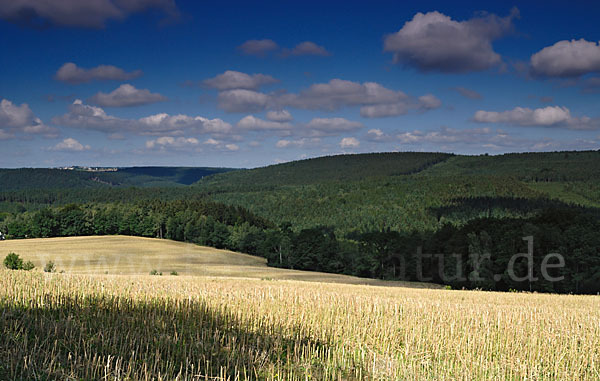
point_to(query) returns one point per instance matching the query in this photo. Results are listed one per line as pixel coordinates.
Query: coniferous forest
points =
(449, 219)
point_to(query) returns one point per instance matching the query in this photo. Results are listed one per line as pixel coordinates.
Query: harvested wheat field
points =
(76, 327)
(127, 255)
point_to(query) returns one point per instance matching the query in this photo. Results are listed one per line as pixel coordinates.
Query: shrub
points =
(155, 272)
(13, 262)
(50, 267)
(174, 272)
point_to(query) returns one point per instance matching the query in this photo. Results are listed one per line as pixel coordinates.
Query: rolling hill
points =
(126, 255)
(406, 191)
(47, 178)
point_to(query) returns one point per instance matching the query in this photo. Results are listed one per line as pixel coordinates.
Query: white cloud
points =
(567, 59)
(384, 110)
(241, 100)
(435, 42)
(170, 142)
(73, 74)
(447, 135)
(258, 47)
(338, 93)
(232, 147)
(374, 99)
(14, 116)
(547, 117)
(309, 48)
(212, 142)
(231, 80)
(126, 95)
(95, 118)
(484, 140)
(302, 142)
(279, 116)
(377, 135)
(261, 48)
(468, 93)
(21, 119)
(349, 143)
(332, 126)
(250, 122)
(70, 145)
(429, 102)
(77, 13)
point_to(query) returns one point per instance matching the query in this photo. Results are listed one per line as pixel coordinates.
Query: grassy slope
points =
(139, 256)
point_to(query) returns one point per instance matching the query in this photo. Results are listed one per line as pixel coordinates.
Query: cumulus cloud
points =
(349, 143)
(95, 118)
(567, 59)
(126, 95)
(252, 123)
(484, 140)
(332, 126)
(181, 124)
(550, 116)
(70, 145)
(309, 48)
(374, 99)
(77, 13)
(261, 48)
(377, 135)
(230, 80)
(258, 47)
(446, 135)
(384, 110)
(279, 116)
(241, 100)
(429, 102)
(468, 93)
(169, 142)
(435, 42)
(21, 120)
(73, 74)
(337, 93)
(297, 143)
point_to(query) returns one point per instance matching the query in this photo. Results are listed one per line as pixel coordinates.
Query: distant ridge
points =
(82, 177)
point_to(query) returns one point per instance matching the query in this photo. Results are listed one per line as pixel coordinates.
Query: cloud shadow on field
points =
(108, 336)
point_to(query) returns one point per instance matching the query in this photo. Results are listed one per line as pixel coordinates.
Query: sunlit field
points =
(115, 327)
(126, 255)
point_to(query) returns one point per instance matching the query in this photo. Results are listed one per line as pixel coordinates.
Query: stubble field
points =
(142, 327)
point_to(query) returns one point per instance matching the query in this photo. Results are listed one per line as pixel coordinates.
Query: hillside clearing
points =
(127, 255)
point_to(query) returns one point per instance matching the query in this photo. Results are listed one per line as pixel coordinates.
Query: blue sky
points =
(235, 84)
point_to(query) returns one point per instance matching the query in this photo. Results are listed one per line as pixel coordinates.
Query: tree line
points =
(475, 255)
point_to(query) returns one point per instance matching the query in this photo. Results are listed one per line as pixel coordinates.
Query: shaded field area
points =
(63, 326)
(126, 255)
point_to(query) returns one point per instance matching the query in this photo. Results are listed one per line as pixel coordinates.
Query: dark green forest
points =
(451, 219)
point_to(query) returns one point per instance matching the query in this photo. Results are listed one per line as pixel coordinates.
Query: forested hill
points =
(410, 191)
(325, 169)
(47, 178)
(354, 214)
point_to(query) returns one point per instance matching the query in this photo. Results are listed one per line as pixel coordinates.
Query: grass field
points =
(111, 327)
(126, 255)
